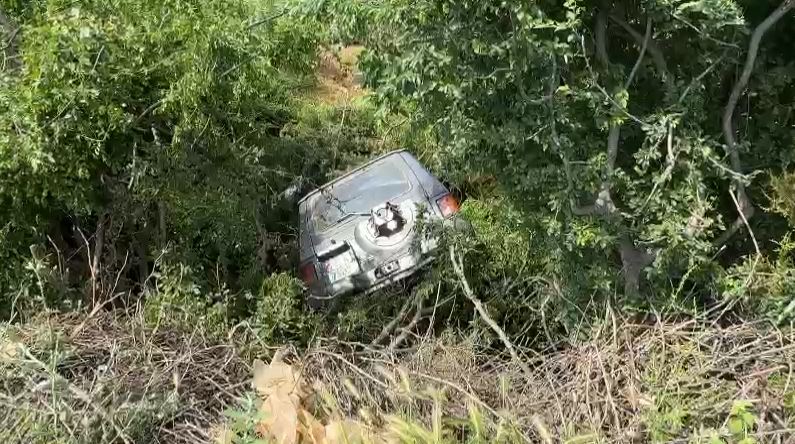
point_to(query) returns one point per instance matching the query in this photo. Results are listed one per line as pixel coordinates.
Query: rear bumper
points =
(367, 282)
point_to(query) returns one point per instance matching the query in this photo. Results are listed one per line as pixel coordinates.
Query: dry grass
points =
(665, 382)
(106, 379)
(102, 379)
(338, 80)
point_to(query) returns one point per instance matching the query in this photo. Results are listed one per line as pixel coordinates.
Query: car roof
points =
(352, 172)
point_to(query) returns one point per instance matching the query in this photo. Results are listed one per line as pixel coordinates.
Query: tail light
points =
(308, 273)
(448, 205)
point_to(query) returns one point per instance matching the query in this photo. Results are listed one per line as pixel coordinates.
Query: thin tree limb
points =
(604, 201)
(148, 110)
(633, 259)
(392, 325)
(484, 314)
(99, 242)
(642, 53)
(267, 19)
(9, 49)
(604, 91)
(742, 82)
(700, 77)
(11, 38)
(404, 334)
(655, 52)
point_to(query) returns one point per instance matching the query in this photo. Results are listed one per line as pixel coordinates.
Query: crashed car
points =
(359, 232)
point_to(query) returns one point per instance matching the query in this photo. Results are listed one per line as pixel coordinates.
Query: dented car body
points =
(360, 231)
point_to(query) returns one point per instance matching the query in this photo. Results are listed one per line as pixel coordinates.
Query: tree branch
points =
(745, 206)
(742, 82)
(392, 325)
(654, 50)
(404, 334)
(640, 55)
(148, 110)
(267, 19)
(99, 243)
(604, 201)
(484, 314)
(600, 33)
(633, 259)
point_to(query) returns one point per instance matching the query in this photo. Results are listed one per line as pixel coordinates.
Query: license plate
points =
(341, 266)
(387, 268)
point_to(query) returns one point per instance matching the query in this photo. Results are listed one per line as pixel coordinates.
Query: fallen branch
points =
(392, 325)
(404, 334)
(484, 314)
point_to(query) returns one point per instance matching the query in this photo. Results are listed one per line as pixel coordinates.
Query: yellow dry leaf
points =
(280, 419)
(345, 431)
(278, 377)
(310, 429)
(9, 350)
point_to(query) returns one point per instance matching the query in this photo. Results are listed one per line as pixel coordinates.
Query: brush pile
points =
(659, 382)
(102, 379)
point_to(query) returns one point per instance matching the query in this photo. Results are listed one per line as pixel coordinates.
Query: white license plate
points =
(341, 266)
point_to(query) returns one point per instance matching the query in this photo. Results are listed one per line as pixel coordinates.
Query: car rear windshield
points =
(360, 192)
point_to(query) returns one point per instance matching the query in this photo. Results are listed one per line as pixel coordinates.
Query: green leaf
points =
(715, 439)
(740, 406)
(736, 426)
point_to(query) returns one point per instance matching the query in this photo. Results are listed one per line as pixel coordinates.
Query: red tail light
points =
(308, 273)
(448, 204)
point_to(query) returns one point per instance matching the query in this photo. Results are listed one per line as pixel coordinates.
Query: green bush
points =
(280, 315)
(178, 301)
(133, 125)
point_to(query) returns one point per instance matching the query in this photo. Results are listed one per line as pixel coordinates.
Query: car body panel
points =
(344, 243)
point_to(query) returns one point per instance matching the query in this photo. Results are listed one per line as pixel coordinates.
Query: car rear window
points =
(360, 192)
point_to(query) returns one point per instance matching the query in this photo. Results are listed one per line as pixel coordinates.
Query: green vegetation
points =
(628, 167)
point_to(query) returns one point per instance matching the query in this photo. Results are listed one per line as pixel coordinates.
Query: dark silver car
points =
(359, 232)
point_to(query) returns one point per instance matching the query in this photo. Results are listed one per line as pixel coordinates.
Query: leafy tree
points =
(631, 133)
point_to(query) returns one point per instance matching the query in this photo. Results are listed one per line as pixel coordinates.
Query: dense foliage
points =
(618, 160)
(627, 133)
(132, 128)
(638, 154)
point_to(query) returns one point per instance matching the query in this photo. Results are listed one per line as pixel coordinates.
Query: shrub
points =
(280, 314)
(179, 302)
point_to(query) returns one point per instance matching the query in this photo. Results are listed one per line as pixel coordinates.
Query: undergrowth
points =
(116, 378)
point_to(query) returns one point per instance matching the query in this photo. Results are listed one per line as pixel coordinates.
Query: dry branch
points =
(605, 385)
(392, 325)
(115, 374)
